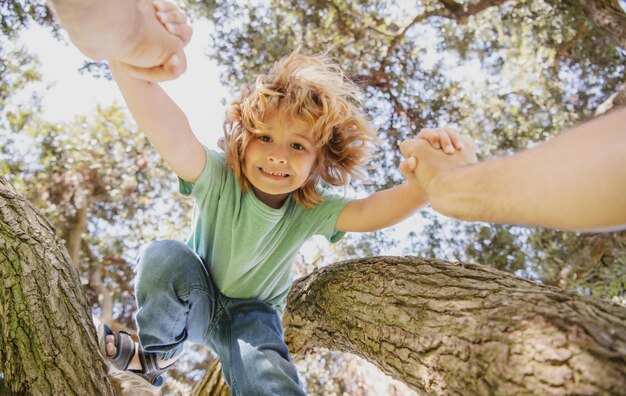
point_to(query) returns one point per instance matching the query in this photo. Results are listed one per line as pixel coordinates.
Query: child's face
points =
(279, 160)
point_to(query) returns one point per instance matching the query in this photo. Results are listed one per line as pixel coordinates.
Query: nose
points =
(278, 156)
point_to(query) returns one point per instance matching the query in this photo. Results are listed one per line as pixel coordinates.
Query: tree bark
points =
(47, 340)
(212, 383)
(609, 17)
(455, 328)
(439, 327)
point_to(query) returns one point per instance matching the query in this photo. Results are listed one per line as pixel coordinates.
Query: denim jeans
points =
(177, 301)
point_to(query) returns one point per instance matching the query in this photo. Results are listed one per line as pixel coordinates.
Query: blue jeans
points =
(177, 301)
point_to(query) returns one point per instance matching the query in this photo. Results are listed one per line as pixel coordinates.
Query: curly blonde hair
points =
(313, 90)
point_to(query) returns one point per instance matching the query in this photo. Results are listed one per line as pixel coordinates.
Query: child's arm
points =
(388, 207)
(381, 209)
(162, 121)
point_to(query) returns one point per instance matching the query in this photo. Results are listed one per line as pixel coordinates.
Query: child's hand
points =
(173, 19)
(446, 139)
(422, 163)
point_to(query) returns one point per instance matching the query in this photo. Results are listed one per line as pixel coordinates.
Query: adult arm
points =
(576, 181)
(122, 30)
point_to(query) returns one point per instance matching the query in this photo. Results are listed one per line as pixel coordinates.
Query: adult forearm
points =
(576, 181)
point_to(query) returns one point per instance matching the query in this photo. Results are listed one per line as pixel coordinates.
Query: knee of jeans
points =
(157, 262)
(268, 367)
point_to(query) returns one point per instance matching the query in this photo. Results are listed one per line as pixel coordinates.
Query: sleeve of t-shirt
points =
(210, 176)
(329, 210)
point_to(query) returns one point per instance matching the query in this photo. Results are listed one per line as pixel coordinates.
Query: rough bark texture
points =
(454, 328)
(440, 327)
(212, 383)
(615, 101)
(47, 341)
(609, 17)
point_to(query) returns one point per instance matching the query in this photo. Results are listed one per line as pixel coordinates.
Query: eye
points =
(297, 146)
(265, 138)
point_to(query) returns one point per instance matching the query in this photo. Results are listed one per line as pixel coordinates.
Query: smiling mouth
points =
(277, 174)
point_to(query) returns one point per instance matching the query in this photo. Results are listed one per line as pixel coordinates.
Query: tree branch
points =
(609, 17)
(447, 328)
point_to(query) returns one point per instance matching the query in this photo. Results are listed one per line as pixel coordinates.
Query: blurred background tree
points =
(508, 73)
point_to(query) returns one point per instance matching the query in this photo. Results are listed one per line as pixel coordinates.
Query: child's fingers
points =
(455, 138)
(411, 162)
(431, 137)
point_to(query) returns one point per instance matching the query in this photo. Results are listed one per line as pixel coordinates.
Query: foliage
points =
(510, 74)
(19, 14)
(18, 72)
(101, 157)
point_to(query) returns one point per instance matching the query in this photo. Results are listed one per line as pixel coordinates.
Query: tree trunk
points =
(47, 341)
(455, 328)
(212, 383)
(439, 327)
(609, 17)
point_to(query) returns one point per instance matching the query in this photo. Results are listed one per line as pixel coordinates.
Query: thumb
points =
(407, 168)
(176, 64)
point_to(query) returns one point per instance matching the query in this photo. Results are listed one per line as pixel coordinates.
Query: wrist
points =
(121, 73)
(413, 189)
(452, 194)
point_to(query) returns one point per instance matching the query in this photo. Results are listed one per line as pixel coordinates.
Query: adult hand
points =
(423, 163)
(127, 31)
(175, 22)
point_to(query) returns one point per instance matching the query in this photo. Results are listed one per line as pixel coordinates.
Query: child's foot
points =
(129, 363)
(135, 363)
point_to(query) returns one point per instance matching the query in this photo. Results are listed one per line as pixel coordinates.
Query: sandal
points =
(149, 378)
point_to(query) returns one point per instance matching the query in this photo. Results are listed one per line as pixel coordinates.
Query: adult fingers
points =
(410, 146)
(406, 147)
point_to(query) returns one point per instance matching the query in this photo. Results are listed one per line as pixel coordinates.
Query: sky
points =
(198, 91)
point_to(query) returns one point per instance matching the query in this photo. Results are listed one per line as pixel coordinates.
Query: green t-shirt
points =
(249, 247)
